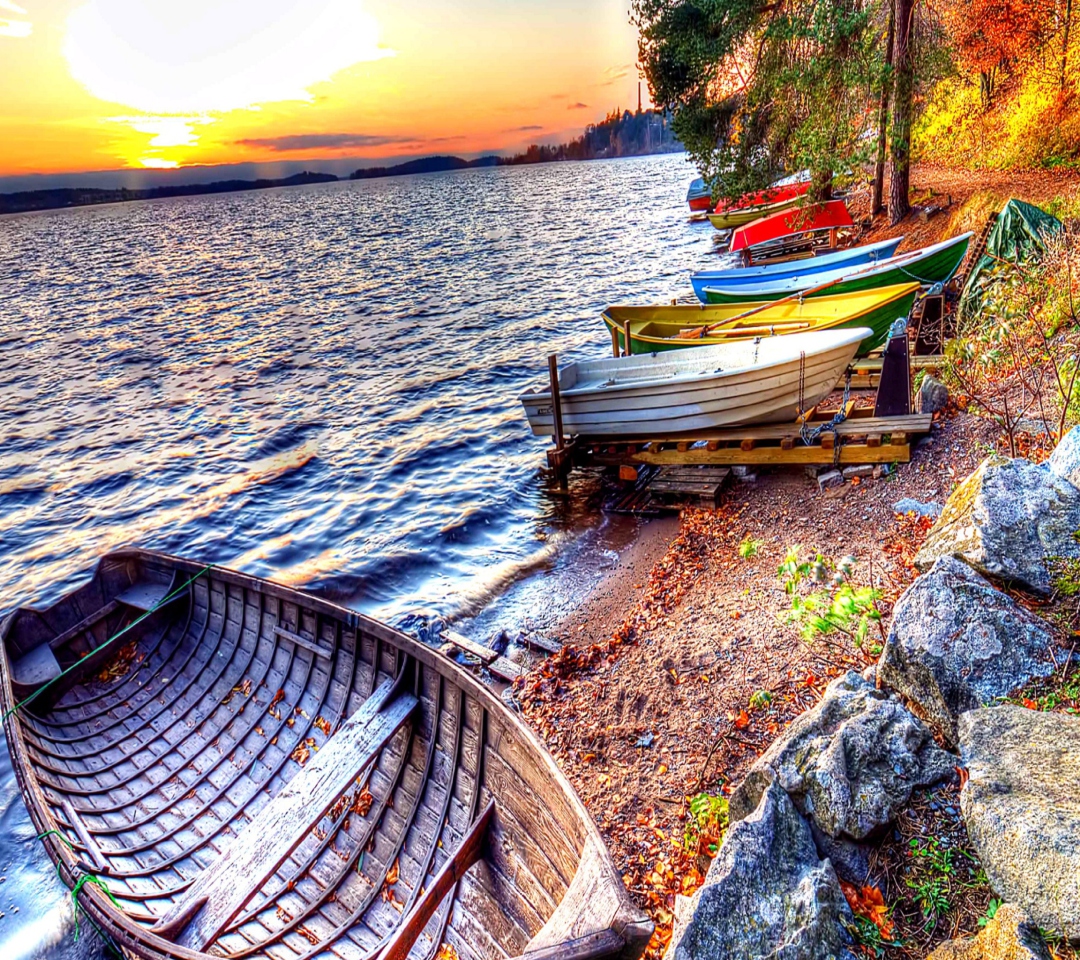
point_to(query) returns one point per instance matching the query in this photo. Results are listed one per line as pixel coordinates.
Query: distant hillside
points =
(424, 165)
(620, 134)
(82, 196)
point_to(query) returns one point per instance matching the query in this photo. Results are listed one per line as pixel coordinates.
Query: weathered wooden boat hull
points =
(659, 328)
(746, 382)
(257, 772)
(935, 264)
(852, 256)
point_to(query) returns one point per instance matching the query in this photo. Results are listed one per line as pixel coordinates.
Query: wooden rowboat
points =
(698, 196)
(774, 226)
(851, 257)
(665, 327)
(255, 772)
(926, 266)
(768, 380)
(735, 217)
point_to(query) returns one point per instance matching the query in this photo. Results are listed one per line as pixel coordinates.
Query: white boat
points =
(768, 380)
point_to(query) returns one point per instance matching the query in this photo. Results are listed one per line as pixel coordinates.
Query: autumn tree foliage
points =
(988, 35)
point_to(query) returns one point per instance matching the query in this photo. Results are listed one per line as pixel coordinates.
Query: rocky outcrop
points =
(933, 396)
(767, 894)
(1064, 462)
(957, 643)
(850, 763)
(1006, 519)
(1010, 935)
(1022, 809)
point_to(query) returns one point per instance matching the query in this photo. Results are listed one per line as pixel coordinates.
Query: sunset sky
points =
(106, 84)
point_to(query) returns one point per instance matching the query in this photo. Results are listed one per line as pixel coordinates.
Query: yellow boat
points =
(740, 216)
(656, 328)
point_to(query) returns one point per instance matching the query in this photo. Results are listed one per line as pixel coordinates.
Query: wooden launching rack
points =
(860, 439)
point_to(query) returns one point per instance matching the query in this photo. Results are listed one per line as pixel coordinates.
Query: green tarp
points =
(1019, 235)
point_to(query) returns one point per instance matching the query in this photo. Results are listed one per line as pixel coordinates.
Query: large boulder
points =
(1009, 935)
(1006, 519)
(957, 643)
(1022, 809)
(767, 894)
(850, 764)
(1064, 462)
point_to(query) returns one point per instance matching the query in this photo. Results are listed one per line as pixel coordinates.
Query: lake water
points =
(316, 385)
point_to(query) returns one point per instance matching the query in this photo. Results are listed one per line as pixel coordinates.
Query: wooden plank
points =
(485, 654)
(747, 443)
(85, 836)
(827, 440)
(468, 852)
(542, 643)
(504, 668)
(303, 642)
(221, 892)
(83, 625)
(787, 443)
(799, 456)
(859, 422)
(873, 439)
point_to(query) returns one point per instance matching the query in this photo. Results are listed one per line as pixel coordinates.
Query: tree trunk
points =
(903, 92)
(877, 201)
(1065, 43)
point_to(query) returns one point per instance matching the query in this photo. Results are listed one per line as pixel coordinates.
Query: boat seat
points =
(144, 596)
(33, 670)
(221, 891)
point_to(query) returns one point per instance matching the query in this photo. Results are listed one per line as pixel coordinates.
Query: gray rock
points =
(1064, 462)
(957, 643)
(1006, 519)
(830, 479)
(767, 894)
(860, 470)
(933, 396)
(850, 859)
(1010, 935)
(910, 505)
(1022, 809)
(850, 764)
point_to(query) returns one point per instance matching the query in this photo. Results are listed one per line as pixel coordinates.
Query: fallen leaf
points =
(868, 902)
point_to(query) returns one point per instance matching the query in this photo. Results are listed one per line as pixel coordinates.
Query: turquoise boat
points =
(926, 266)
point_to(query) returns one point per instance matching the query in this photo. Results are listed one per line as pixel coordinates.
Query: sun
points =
(182, 63)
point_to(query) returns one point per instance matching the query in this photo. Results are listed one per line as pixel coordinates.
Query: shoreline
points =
(650, 703)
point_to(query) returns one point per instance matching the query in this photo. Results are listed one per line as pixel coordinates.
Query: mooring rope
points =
(134, 623)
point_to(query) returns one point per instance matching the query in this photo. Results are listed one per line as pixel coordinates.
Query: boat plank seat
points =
(469, 851)
(222, 890)
(144, 596)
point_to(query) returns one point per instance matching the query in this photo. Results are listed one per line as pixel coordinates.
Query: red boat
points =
(806, 220)
(767, 196)
(699, 196)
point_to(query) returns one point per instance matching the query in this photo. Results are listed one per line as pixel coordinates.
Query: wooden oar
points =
(700, 332)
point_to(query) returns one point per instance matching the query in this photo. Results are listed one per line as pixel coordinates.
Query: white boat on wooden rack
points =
(768, 380)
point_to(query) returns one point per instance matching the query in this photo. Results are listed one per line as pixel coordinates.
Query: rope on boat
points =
(134, 623)
(79, 884)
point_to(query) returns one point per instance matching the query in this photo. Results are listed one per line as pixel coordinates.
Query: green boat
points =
(926, 266)
(691, 325)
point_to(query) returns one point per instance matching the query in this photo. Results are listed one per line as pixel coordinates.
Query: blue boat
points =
(737, 276)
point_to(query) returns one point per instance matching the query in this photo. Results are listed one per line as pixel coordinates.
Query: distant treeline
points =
(29, 200)
(621, 134)
(424, 165)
